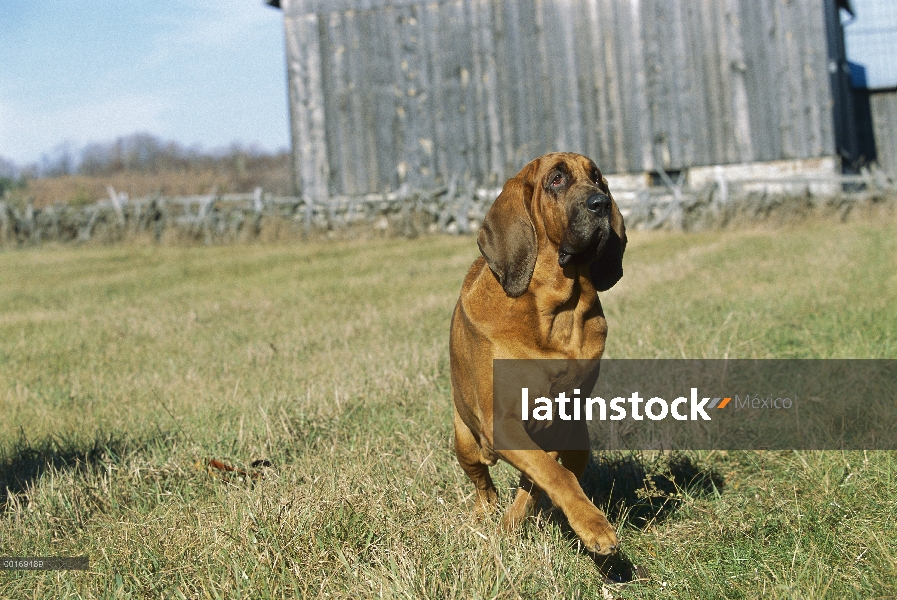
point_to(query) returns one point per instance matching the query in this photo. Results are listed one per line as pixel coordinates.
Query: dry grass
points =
(126, 368)
(83, 189)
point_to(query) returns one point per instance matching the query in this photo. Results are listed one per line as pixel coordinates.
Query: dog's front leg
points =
(562, 486)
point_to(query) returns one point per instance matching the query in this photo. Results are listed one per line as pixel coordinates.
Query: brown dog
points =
(553, 238)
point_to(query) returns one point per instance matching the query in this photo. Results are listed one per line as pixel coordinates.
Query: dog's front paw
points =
(596, 532)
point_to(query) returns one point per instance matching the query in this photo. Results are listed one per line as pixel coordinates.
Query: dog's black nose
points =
(599, 203)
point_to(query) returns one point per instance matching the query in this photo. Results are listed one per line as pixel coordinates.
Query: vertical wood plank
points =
(413, 65)
(424, 105)
(506, 86)
(735, 58)
(355, 93)
(648, 22)
(594, 93)
(532, 101)
(431, 24)
(307, 103)
(335, 79)
(384, 146)
(473, 144)
(791, 122)
(615, 125)
(545, 110)
(566, 70)
(687, 95)
(815, 67)
(884, 121)
(480, 15)
(759, 27)
(705, 97)
(631, 70)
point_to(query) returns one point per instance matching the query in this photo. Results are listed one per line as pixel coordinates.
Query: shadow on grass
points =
(23, 462)
(642, 492)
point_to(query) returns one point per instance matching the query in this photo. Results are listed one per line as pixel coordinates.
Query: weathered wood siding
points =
(386, 92)
(884, 123)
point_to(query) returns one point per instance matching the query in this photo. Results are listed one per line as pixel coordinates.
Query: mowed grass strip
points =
(123, 370)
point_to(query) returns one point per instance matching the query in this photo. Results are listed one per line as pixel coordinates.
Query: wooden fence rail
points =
(457, 208)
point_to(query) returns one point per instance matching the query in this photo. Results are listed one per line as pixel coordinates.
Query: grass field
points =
(123, 370)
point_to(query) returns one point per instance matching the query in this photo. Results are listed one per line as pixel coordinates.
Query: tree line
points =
(143, 153)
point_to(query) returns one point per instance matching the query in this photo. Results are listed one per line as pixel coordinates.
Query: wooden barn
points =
(871, 47)
(391, 92)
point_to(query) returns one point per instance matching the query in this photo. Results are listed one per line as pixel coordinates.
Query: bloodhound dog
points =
(552, 240)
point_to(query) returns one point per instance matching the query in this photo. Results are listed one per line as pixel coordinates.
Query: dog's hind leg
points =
(469, 454)
(575, 461)
(526, 499)
(528, 495)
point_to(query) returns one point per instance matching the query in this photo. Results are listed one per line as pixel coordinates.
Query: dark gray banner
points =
(780, 404)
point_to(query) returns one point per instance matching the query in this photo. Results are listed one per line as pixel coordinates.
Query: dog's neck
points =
(561, 288)
(570, 313)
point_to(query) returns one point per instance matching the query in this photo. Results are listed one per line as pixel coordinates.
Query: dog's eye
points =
(557, 181)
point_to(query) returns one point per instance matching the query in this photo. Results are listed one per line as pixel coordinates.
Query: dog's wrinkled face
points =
(558, 205)
(575, 205)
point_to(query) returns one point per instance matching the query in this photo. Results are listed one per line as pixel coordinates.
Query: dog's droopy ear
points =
(607, 269)
(507, 238)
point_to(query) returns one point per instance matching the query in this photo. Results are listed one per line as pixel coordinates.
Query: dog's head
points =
(559, 204)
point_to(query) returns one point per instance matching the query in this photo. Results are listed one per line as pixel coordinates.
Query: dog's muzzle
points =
(592, 230)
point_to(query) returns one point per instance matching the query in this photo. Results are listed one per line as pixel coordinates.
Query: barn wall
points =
(883, 106)
(385, 92)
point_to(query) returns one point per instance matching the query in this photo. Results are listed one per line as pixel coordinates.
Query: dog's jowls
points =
(552, 240)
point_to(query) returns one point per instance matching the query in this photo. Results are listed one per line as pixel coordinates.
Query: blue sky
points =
(207, 72)
(871, 40)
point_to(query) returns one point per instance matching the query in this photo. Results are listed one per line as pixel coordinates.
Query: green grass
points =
(124, 369)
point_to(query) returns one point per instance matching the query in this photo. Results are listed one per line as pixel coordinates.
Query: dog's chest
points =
(576, 327)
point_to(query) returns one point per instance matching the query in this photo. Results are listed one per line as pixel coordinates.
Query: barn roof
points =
(845, 4)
